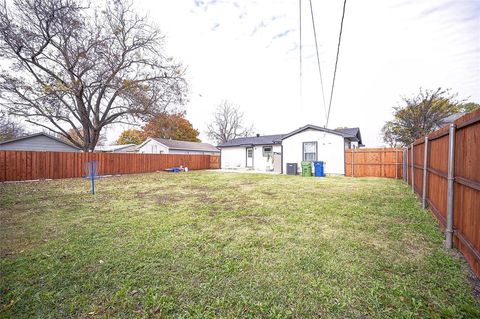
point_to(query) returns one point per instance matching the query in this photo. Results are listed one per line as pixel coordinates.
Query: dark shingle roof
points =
(183, 145)
(254, 140)
(349, 133)
(353, 131)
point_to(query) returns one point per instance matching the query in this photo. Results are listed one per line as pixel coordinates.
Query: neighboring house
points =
(450, 119)
(308, 143)
(251, 152)
(125, 148)
(38, 142)
(166, 146)
(354, 131)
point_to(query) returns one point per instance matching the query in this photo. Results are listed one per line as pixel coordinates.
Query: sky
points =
(247, 52)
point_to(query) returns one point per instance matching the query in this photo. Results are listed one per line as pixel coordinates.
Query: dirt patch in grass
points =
(168, 199)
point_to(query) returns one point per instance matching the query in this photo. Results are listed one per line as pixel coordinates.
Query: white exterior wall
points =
(349, 145)
(153, 147)
(193, 152)
(261, 163)
(236, 157)
(233, 157)
(330, 149)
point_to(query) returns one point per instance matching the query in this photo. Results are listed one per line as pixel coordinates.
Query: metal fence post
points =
(406, 170)
(451, 178)
(413, 164)
(425, 164)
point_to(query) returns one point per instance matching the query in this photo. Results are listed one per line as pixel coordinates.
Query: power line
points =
(318, 58)
(336, 62)
(300, 29)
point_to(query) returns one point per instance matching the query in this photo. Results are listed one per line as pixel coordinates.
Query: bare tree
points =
(10, 129)
(74, 69)
(228, 123)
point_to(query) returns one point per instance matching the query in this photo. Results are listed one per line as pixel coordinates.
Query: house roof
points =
(451, 118)
(115, 148)
(255, 140)
(184, 145)
(354, 131)
(39, 134)
(316, 128)
(352, 134)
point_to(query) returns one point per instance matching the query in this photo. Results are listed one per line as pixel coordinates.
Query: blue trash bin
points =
(319, 172)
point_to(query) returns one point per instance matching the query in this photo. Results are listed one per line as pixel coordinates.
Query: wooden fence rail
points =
(20, 165)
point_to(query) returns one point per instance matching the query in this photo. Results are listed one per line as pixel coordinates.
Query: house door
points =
(277, 163)
(249, 156)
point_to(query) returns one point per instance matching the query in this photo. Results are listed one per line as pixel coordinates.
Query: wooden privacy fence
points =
(375, 162)
(446, 175)
(20, 165)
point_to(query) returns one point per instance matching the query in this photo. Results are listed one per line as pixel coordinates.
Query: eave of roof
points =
(317, 128)
(253, 140)
(39, 134)
(192, 146)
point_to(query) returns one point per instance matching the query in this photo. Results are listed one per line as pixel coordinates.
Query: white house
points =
(166, 146)
(274, 152)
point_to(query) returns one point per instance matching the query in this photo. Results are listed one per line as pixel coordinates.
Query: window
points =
(249, 153)
(267, 151)
(310, 151)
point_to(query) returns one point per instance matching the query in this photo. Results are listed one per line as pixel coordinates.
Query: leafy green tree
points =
(468, 107)
(174, 126)
(419, 115)
(131, 136)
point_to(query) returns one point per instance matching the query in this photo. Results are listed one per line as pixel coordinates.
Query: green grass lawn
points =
(206, 244)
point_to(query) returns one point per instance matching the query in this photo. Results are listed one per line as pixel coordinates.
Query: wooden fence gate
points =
(374, 162)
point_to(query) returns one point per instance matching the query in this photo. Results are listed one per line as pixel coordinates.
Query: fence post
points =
(451, 178)
(425, 164)
(396, 163)
(413, 164)
(352, 161)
